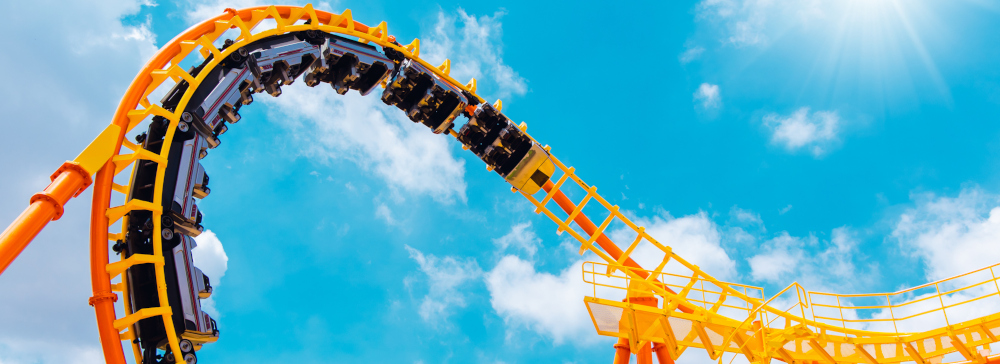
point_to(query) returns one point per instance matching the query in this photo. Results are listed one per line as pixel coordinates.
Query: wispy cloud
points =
(745, 216)
(203, 10)
(520, 236)
(444, 278)
(951, 234)
(71, 74)
(381, 139)
(785, 210)
(754, 22)
(378, 138)
(817, 264)
(707, 96)
(475, 47)
(383, 212)
(691, 54)
(695, 237)
(816, 132)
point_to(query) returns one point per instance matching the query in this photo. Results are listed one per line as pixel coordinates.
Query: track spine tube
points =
(103, 299)
(603, 241)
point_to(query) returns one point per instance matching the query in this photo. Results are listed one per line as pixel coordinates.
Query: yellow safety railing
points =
(694, 309)
(928, 343)
(615, 285)
(914, 307)
(792, 335)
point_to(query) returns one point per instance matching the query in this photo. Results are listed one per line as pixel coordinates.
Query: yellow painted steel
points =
(695, 309)
(145, 109)
(722, 315)
(93, 157)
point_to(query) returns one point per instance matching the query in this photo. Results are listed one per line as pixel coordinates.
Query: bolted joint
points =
(102, 297)
(74, 167)
(46, 197)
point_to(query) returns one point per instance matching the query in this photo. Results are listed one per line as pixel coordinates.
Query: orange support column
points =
(622, 353)
(68, 182)
(662, 355)
(645, 355)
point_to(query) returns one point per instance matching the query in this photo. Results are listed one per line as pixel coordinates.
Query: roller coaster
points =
(663, 311)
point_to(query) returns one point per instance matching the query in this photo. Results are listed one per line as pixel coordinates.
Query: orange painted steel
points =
(72, 178)
(103, 299)
(603, 241)
(104, 308)
(644, 355)
(622, 354)
(662, 355)
(67, 182)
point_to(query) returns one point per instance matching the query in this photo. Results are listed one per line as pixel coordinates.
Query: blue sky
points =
(851, 146)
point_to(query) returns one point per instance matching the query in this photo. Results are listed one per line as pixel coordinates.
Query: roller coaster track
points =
(665, 310)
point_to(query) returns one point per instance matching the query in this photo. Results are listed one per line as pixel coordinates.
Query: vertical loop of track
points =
(135, 107)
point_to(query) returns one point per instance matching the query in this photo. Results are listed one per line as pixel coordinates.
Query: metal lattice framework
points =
(674, 306)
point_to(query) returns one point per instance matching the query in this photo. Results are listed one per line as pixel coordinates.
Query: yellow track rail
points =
(696, 309)
(714, 324)
(286, 20)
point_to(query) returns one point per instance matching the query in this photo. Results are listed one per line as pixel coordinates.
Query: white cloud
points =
(379, 138)
(708, 96)
(785, 209)
(16, 351)
(549, 304)
(203, 10)
(520, 236)
(782, 256)
(816, 131)
(754, 22)
(71, 74)
(211, 258)
(445, 277)
(477, 52)
(694, 237)
(745, 216)
(691, 54)
(951, 235)
(383, 212)
(818, 265)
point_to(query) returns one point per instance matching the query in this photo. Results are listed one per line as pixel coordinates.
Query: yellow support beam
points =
(914, 354)
(116, 268)
(816, 346)
(864, 354)
(100, 150)
(742, 342)
(705, 340)
(128, 320)
(799, 329)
